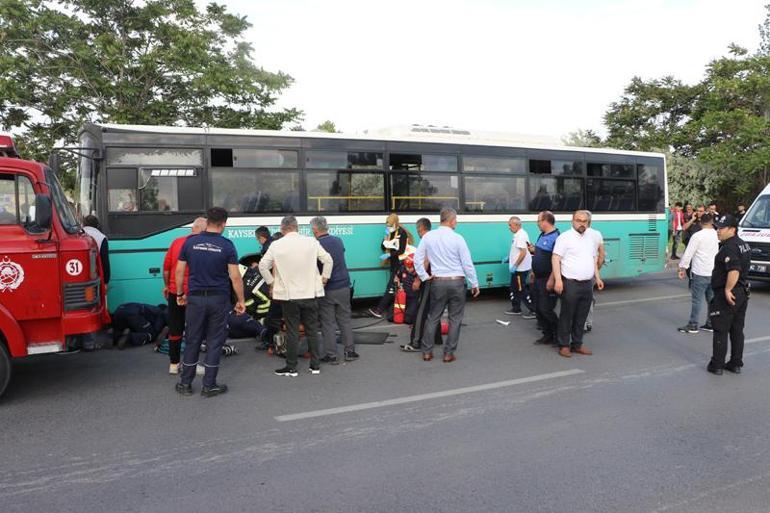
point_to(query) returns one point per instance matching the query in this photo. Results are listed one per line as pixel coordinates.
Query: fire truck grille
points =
(81, 296)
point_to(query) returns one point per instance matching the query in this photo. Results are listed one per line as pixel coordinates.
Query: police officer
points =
(213, 264)
(729, 281)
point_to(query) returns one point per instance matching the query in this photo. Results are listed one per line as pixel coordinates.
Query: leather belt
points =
(579, 281)
(208, 292)
(448, 278)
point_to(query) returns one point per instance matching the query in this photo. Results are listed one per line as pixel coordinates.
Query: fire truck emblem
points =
(11, 275)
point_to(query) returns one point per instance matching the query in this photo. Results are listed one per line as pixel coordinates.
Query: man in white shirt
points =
(296, 285)
(575, 267)
(519, 264)
(699, 258)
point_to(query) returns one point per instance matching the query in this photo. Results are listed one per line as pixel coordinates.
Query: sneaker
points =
(286, 371)
(351, 356)
(409, 348)
(513, 312)
(707, 327)
(529, 315)
(332, 359)
(690, 328)
(215, 389)
(375, 313)
(314, 369)
(183, 389)
(173, 368)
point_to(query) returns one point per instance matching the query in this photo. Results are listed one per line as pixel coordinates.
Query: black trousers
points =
(727, 320)
(306, 312)
(175, 328)
(421, 317)
(545, 307)
(389, 295)
(520, 291)
(575, 303)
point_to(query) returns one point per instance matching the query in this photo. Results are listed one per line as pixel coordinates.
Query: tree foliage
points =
(158, 62)
(718, 130)
(327, 126)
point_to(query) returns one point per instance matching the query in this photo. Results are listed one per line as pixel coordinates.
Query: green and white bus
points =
(147, 184)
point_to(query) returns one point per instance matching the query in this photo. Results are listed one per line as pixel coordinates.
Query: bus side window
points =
(170, 190)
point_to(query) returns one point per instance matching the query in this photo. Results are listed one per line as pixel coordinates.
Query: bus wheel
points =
(5, 368)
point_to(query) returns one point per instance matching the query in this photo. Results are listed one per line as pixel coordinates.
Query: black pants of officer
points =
(306, 312)
(545, 308)
(727, 320)
(421, 317)
(575, 303)
(205, 319)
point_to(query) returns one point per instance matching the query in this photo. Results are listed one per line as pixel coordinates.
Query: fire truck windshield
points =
(66, 215)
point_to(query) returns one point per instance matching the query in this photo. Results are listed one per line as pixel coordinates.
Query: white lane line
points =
(756, 339)
(425, 397)
(641, 300)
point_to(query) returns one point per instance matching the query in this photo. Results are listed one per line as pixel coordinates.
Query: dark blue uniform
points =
(208, 301)
(543, 299)
(726, 319)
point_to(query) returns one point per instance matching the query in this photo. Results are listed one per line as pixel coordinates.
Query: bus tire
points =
(5, 367)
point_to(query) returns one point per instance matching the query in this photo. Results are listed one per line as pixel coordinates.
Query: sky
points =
(544, 67)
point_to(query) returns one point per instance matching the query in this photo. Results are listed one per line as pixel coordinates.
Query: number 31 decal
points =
(74, 267)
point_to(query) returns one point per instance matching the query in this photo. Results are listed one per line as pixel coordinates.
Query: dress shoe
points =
(714, 370)
(735, 369)
(449, 358)
(426, 357)
(583, 350)
(565, 352)
(545, 340)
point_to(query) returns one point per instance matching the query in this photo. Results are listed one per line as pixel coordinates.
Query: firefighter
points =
(727, 310)
(255, 289)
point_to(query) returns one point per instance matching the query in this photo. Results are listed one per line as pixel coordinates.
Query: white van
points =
(754, 228)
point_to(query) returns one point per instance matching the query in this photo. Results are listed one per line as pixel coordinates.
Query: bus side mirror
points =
(54, 162)
(43, 211)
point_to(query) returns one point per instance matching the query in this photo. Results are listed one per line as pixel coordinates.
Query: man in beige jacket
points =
(295, 282)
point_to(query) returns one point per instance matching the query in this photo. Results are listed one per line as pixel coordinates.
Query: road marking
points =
(425, 397)
(756, 339)
(642, 300)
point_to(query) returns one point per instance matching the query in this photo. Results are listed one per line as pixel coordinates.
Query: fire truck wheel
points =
(5, 368)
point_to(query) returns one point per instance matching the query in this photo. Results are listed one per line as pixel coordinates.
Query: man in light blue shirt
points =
(450, 264)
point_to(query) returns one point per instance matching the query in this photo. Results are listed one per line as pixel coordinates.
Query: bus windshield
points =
(758, 215)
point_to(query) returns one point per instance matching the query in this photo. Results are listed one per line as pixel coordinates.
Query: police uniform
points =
(545, 300)
(734, 255)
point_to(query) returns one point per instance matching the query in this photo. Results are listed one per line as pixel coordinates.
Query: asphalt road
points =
(640, 426)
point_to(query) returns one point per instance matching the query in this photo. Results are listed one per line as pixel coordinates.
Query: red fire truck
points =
(50, 286)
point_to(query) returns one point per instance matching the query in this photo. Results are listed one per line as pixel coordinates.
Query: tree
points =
(583, 138)
(327, 126)
(720, 126)
(159, 62)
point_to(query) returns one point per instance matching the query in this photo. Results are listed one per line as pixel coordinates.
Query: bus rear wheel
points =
(5, 367)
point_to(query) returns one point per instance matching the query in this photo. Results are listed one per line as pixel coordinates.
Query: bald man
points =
(170, 287)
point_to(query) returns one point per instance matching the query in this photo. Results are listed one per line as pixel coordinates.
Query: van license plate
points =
(758, 268)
